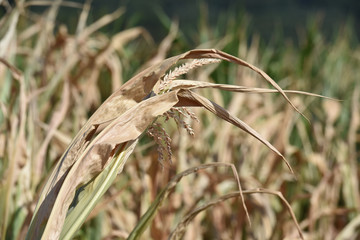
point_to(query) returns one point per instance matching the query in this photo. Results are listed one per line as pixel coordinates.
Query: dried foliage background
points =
(52, 81)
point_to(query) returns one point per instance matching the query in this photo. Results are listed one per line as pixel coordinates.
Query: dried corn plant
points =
(102, 146)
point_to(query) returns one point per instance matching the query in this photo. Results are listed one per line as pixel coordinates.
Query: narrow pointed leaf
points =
(188, 98)
(191, 84)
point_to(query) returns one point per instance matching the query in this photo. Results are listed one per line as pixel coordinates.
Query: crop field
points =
(120, 136)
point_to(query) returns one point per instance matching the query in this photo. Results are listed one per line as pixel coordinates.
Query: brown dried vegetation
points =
(51, 184)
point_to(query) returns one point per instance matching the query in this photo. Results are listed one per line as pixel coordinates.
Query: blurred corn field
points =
(181, 178)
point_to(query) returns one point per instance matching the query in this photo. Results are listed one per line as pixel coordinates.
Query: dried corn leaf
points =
(191, 84)
(188, 98)
(94, 159)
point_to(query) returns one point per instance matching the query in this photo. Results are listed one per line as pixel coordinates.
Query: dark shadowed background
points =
(265, 16)
(286, 18)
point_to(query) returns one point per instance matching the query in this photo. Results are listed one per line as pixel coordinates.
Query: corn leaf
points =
(93, 191)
